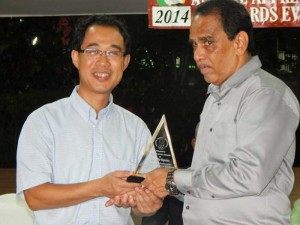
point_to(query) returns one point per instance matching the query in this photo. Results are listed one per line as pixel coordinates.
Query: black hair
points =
(234, 18)
(102, 20)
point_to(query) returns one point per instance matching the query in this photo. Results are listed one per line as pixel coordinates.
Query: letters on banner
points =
(177, 14)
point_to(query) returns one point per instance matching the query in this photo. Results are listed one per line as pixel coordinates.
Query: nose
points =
(102, 53)
(102, 58)
(199, 53)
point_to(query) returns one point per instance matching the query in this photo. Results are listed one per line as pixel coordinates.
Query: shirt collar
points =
(85, 110)
(235, 79)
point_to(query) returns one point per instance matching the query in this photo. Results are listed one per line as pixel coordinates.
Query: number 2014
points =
(169, 16)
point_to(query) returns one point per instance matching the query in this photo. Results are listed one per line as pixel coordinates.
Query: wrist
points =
(170, 183)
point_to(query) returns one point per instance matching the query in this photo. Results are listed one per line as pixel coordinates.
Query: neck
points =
(95, 100)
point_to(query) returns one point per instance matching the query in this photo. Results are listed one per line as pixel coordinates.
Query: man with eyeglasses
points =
(73, 155)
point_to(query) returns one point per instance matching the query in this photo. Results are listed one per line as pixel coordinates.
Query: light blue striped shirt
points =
(64, 142)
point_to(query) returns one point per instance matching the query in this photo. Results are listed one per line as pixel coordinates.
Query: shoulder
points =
(263, 83)
(48, 110)
(127, 116)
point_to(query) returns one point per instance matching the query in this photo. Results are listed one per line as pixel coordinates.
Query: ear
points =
(241, 42)
(75, 58)
(126, 61)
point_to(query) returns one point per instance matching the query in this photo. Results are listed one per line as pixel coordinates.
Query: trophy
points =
(162, 143)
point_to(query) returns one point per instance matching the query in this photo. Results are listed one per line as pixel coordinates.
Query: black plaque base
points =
(135, 179)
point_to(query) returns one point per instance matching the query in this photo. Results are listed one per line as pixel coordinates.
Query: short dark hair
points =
(102, 20)
(233, 15)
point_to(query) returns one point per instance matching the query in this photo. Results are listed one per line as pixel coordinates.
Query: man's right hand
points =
(114, 184)
(49, 195)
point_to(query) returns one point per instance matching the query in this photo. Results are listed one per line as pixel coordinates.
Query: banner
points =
(177, 14)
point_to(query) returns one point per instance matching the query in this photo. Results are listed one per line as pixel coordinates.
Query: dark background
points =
(161, 79)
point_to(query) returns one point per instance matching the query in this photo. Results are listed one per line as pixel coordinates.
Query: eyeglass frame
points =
(107, 53)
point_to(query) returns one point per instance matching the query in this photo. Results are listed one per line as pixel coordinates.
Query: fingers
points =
(145, 197)
(114, 184)
(128, 187)
(118, 200)
(110, 202)
(132, 201)
(126, 200)
(157, 177)
(141, 200)
(159, 192)
(147, 202)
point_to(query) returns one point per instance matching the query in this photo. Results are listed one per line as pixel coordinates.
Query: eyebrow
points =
(97, 45)
(202, 38)
(117, 47)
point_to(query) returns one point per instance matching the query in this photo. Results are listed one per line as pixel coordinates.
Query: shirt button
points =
(219, 103)
(187, 207)
(210, 129)
(188, 192)
(213, 196)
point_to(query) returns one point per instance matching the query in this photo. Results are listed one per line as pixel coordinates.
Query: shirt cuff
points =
(183, 179)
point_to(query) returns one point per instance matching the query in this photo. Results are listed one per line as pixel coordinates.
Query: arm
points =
(246, 165)
(264, 131)
(47, 195)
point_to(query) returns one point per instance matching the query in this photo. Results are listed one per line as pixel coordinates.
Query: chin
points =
(208, 80)
(211, 79)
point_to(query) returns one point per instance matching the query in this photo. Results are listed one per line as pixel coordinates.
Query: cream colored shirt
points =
(241, 172)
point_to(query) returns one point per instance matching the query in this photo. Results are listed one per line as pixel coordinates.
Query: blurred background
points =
(35, 69)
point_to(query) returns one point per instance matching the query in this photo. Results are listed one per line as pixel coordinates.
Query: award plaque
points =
(163, 146)
(162, 143)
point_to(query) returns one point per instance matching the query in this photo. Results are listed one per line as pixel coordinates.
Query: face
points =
(100, 74)
(215, 55)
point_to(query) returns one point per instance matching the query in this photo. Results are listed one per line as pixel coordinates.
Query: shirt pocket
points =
(222, 142)
(114, 163)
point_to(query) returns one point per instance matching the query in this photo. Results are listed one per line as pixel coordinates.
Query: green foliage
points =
(295, 216)
(24, 67)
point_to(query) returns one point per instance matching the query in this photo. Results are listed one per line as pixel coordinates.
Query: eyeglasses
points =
(92, 53)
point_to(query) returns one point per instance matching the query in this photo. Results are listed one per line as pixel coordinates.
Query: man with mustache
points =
(241, 171)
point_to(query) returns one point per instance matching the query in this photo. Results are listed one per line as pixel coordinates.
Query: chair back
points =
(14, 211)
